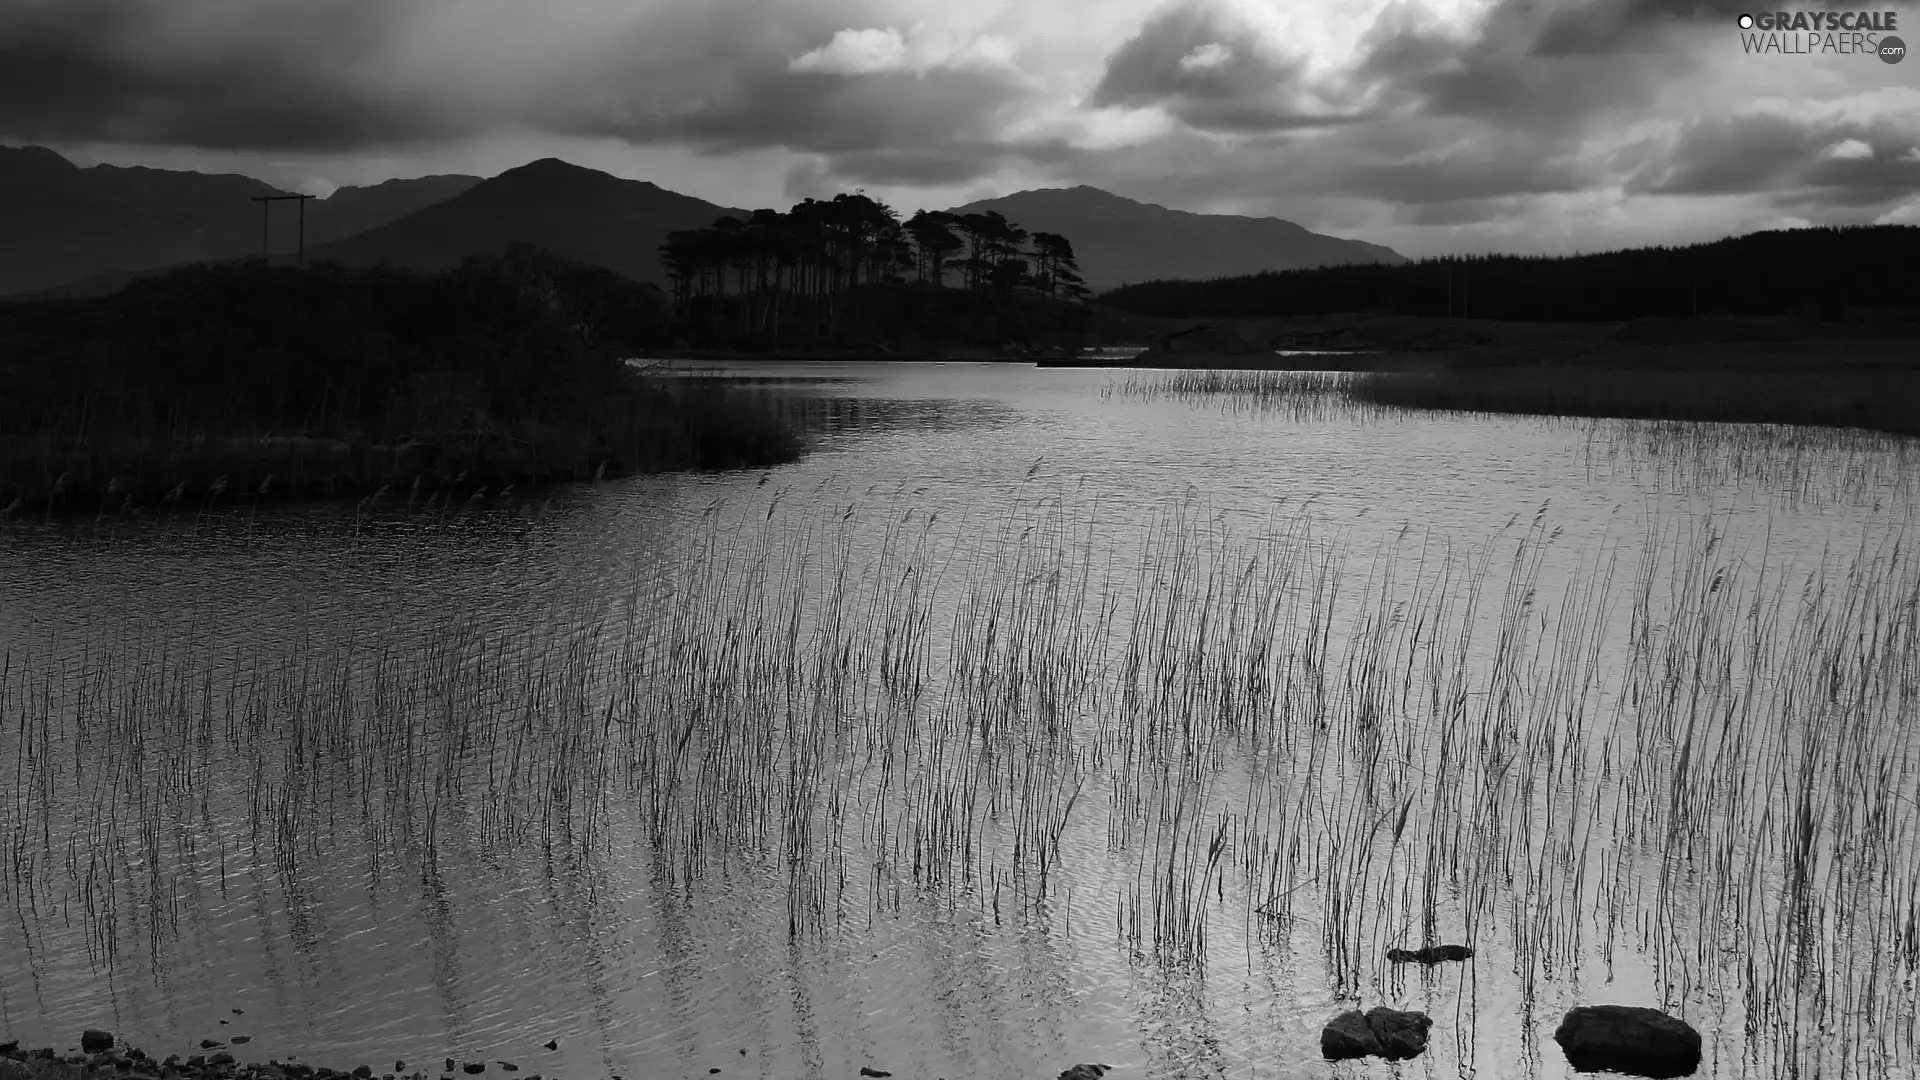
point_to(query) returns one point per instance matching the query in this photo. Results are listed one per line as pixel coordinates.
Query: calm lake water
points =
(1037, 716)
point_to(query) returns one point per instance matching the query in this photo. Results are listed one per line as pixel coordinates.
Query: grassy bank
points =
(252, 381)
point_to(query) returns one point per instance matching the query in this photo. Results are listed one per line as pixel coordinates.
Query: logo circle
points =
(1892, 50)
(1746, 22)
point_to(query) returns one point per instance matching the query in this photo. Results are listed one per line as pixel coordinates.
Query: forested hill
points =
(1814, 272)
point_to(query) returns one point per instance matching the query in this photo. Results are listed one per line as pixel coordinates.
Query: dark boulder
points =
(94, 1040)
(1085, 1072)
(1348, 1036)
(1629, 1039)
(1378, 1032)
(1402, 1035)
(1432, 954)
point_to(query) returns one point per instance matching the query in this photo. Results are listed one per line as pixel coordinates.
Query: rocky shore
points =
(1633, 1040)
(100, 1055)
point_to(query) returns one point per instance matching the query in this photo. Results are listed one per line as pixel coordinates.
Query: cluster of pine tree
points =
(849, 268)
(1816, 272)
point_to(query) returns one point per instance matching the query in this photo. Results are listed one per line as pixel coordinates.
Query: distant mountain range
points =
(1120, 241)
(75, 231)
(576, 213)
(62, 222)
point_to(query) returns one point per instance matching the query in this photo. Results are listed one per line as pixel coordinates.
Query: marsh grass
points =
(1801, 463)
(1675, 755)
(1872, 397)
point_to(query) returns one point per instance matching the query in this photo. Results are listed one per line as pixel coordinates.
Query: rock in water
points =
(868, 1070)
(1432, 954)
(1401, 1034)
(1628, 1039)
(1379, 1032)
(94, 1040)
(1348, 1036)
(1085, 1072)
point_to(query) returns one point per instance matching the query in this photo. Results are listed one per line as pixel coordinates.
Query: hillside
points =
(1119, 240)
(1813, 273)
(64, 223)
(575, 213)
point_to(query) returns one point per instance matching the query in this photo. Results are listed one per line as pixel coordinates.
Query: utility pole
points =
(266, 202)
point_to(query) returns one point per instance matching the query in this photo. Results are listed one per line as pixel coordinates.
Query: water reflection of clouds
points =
(834, 415)
(654, 980)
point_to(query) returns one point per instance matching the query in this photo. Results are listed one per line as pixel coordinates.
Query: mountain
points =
(351, 210)
(575, 213)
(64, 223)
(1118, 240)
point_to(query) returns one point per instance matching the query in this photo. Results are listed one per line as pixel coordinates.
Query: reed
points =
(1675, 755)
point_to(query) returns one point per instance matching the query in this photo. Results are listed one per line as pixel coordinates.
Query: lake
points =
(1037, 716)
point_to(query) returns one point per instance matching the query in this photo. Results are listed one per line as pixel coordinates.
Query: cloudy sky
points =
(1428, 125)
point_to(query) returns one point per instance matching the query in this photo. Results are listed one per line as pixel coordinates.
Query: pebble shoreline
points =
(98, 1056)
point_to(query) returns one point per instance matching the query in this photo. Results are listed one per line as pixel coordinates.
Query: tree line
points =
(1812, 272)
(508, 368)
(849, 267)
(244, 347)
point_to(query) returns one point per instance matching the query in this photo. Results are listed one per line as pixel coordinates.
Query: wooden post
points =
(265, 201)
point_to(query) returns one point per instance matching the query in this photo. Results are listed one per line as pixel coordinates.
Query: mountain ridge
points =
(1144, 241)
(94, 229)
(66, 223)
(574, 212)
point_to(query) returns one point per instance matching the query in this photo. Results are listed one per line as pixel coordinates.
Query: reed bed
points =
(1298, 395)
(1801, 466)
(1687, 756)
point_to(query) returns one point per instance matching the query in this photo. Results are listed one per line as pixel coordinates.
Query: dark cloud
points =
(339, 74)
(1455, 212)
(106, 70)
(1731, 155)
(1798, 162)
(1610, 27)
(1480, 170)
(1212, 72)
(919, 168)
(837, 114)
(1555, 69)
